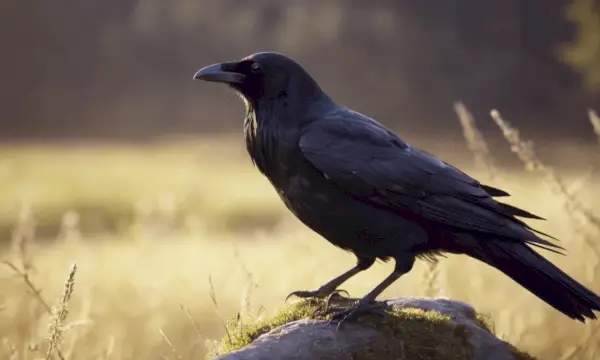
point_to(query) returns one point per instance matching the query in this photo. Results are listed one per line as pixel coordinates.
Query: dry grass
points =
(595, 121)
(170, 240)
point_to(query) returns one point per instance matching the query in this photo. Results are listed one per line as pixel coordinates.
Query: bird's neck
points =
(261, 129)
(271, 125)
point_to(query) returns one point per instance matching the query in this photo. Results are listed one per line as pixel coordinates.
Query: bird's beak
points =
(219, 73)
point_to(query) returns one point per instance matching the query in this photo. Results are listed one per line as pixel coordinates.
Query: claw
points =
(320, 293)
(337, 296)
(305, 294)
(360, 308)
(339, 292)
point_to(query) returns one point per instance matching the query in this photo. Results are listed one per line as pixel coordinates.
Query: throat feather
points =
(261, 143)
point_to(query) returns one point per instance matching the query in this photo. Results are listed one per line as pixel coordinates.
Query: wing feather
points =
(374, 165)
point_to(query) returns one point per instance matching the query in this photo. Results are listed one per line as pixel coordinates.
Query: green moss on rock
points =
(241, 334)
(408, 334)
(417, 334)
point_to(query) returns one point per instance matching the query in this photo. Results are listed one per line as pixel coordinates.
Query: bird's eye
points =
(255, 68)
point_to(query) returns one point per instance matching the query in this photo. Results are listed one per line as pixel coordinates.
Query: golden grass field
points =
(170, 239)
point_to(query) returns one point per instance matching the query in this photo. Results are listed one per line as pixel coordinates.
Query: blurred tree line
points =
(584, 52)
(122, 68)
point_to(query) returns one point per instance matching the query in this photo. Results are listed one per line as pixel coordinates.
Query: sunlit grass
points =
(110, 185)
(194, 210)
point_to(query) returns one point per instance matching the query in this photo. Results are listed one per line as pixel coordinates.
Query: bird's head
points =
(263, 76)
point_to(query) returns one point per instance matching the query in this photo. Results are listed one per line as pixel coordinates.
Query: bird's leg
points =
(331, 286)
(368, 304)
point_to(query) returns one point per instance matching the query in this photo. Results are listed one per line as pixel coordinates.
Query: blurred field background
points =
(111, 158)
(152, 227)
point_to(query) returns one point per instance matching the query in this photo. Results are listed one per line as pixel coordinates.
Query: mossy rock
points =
(411, 332)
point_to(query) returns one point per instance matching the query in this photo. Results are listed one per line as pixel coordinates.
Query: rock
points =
(484, 344)
(419, 328)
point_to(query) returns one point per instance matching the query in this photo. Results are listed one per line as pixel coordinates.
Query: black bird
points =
(364, 189)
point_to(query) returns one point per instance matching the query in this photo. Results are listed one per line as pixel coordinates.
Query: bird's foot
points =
(361, 307)
(320, 293)
(336, 300)
(339, 301)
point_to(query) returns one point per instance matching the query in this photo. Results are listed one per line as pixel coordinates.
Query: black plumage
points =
(366, 190)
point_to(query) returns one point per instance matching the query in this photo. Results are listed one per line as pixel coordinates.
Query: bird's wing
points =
(375, 166)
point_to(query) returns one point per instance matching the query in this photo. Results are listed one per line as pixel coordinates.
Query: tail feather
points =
(540, 277)
(493, 192)
(515, 211)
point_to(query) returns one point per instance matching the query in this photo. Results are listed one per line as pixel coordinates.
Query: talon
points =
(337, 297)
(295, 293)
(360, 308)
(320, 293)
(340, 291)
(336, 294)
(304, 294)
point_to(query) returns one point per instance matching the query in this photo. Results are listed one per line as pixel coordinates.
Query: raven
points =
(366, 190)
